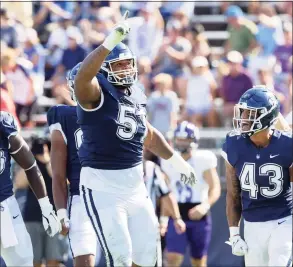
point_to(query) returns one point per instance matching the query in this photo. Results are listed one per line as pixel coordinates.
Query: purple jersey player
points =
(194, 203)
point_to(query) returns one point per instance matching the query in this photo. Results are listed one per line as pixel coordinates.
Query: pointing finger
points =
(125, 16)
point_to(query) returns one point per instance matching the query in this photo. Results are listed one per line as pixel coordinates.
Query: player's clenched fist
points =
(239, 246)
(118, 33)
(51, 224)
(64, 220)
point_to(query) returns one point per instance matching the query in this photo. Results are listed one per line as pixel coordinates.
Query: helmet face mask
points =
(124, 75)
(184, 145)
(70, 84)
(256, 111)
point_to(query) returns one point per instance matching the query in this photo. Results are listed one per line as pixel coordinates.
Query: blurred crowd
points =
(182, 75)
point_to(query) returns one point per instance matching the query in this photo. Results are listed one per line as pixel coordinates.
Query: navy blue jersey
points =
(264, 175)
(64, 119)
(8, 127)
(114, 132)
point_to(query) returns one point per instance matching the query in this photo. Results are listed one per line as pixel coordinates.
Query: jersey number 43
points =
(248, 181)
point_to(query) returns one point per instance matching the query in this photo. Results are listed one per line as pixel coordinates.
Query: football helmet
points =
(125, 77)
(186, 137)
(257, 110)
(70, 80)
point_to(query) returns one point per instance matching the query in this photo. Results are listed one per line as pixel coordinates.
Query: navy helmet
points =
(186, 137)
(257, 110)
(125, 77)
(70, 79)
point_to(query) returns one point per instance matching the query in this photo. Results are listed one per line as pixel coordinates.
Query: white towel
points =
(8, 236)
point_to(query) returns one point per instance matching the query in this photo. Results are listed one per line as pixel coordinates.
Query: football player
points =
(16, 246)
(194, 203)
(66, 138)
(112, 116)
(259, 171)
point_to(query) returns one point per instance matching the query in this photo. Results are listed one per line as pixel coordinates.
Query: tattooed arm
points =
(233, 199)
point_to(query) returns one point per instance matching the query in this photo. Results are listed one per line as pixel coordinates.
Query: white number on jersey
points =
(2, 161)
(184, 192)
(78, 134)
(128, 124)
(248, 183)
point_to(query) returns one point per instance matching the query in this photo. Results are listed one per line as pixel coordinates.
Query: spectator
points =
(146, 33)
(173, 55)
(49, 250)
(59, 36)
(242, 32)
(163, 104)
(144, 70)
(6, 101)
(234, 84)
(200, 93)
(7, 32)
(284, 52)
(20, 76)
(199, 43)
(35, 53)
(74, 54)
(95, 30)
(270, 32)
(281, 91)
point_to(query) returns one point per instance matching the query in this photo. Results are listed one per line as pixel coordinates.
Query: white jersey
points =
(201, 160)
(289, 118)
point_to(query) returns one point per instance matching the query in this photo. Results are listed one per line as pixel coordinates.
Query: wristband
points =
(62, 214)
(178, 163)
(234, 231)
(44, 203)
(164, 220)
(207, 206)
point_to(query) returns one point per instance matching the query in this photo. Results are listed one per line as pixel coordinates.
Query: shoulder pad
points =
(287, 133)
(8, 125)
(233, 133)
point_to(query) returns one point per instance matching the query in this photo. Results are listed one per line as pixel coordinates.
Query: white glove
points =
(64, 220)
(187, 172)
(239, 246)
(118, 33)
(51, 223)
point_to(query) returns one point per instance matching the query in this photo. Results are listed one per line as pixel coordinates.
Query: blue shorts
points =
(197, 236)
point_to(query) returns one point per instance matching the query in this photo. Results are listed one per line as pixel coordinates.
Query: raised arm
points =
(86, 86)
